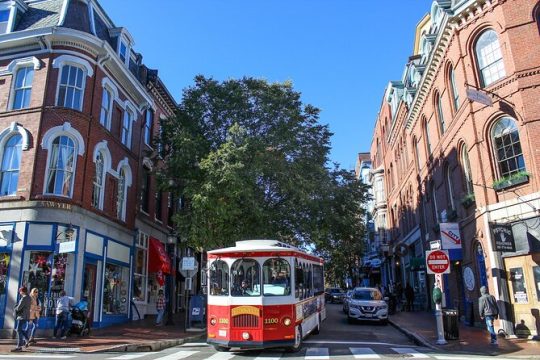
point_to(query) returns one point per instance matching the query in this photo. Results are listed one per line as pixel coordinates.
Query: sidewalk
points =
(421, 327)
(141, 335)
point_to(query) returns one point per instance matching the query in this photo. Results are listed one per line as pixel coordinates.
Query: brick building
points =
(79, 207)
(455, 158)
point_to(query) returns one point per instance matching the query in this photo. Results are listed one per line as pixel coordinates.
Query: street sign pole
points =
(438, 263)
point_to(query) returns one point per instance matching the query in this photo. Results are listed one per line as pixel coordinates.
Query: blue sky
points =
(340, 54)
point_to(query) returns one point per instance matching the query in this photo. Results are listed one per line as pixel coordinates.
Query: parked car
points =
(334, 295)
(367, 304)
(346, 300)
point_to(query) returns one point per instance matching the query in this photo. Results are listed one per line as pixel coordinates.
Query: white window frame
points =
(108, 85)
(79, 150)
(3, 145)
(65, 60)
(127, 120)
(465, 163)
(511, 124)
(450, 187)
(123, 165)
(142, 244)
(14, 88)
(12, 7)
(440, 114)
(99, 182)
(493, 67)
(454, 89)
(148, 125)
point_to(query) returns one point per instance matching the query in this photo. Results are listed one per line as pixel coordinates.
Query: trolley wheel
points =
(297, 341)
(221, 348)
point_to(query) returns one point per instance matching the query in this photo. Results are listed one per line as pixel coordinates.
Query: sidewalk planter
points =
(510, 181)
(468, 200)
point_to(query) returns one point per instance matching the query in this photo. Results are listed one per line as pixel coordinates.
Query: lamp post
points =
(171, 241)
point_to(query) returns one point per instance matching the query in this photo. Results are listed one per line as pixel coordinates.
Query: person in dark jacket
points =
(487, 307)
(22, 315)
(409, 296)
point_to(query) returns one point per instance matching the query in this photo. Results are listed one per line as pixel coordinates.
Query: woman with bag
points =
(35, 312)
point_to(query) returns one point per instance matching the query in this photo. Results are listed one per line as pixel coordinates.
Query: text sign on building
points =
(479, 97)
(503, 237)
(67, 247)
(437, 262)
(450, 237)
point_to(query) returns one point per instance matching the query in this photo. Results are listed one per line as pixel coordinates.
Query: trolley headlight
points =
(213, 321)
(245, 336)
(287, 321)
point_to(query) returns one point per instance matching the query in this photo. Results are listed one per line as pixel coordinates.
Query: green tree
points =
(250, 161)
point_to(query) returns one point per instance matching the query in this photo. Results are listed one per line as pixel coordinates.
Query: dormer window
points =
(123, 51)
(4, 20)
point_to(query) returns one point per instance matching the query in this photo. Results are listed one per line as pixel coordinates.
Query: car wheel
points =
(350, 320)
(297, 341)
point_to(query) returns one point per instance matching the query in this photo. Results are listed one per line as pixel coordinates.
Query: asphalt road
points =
(337, 340)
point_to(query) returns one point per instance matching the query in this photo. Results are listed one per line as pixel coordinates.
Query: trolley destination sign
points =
(437, 262)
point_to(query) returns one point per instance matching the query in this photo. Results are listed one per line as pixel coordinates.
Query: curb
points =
(149, 346)
(417, 339)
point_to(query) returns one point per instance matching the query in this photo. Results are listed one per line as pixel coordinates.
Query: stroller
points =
(80, 319)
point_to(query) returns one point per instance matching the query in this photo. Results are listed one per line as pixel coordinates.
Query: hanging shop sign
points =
(67, 247)
(450, 237)
(479, 97)
(503, 237)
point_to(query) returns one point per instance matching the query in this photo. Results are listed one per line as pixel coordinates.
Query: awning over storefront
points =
(158, 259)
(418, 264)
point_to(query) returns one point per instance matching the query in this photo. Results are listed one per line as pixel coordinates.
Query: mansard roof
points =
(40, 14)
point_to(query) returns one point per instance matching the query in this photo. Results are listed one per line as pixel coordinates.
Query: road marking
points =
(456, 357)
(364, 353)
(326, 342)
(410, 351)
(201, 344)
(317, 354)
(269, 357)
(132, 356)
(177, 355)
(36, 356)
(221, 356)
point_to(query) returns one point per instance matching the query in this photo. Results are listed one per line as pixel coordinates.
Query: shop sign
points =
(188, 263)
(479, 97)
(518, 286)
(450, 237)
(67, 247)
(503, 238)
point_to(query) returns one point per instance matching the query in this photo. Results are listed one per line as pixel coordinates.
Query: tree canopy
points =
(250, 161)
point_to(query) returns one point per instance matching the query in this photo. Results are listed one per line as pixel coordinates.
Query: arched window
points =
(416, 153)
(121, 195)
(127, 121)
(489, 58)
(466, 165)
(450, 188)
(22, 87)
(507, 147)
(453, 88)
(99, 182)
(434, 205)
(106, 108)
(426, 136)
(11, 160)
(440, 115)
(61, 170)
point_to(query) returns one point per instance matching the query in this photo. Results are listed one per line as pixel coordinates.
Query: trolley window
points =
(318, 279)
(219, 278)
(276, 277)
(246, 278)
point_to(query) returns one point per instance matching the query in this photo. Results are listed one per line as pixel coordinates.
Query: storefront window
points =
(276, 277)
(219, 278)
(140, 274)
(115, 289)
(518, 286)
(536, 273)
(4, 264)
(246, 280)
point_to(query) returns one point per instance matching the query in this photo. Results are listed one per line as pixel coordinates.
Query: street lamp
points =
(171, 242)
(68, 233)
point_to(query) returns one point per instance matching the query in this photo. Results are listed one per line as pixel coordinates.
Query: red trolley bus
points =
(263, 294)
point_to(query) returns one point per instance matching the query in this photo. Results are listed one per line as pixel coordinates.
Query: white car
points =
(367, 304)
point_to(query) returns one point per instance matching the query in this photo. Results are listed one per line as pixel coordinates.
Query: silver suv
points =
(367, 304)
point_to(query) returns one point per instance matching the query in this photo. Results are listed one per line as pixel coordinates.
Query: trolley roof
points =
(262, 248)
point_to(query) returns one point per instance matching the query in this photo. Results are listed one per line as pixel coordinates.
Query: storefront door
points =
(524, 287)
(89, 285)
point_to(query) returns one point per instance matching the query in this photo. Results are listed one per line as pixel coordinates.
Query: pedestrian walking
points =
(35, 312)
(409, 296)
(399, 295)
(487, 306)
(63, 306)
(160, 307)
(22, 314)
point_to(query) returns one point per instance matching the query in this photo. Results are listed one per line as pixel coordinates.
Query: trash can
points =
(451, 324)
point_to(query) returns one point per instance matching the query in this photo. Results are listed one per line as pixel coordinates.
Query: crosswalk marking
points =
(132, 356)
(36, 356)
(220, 356)
(410, 351)
(177, 355)
(268, 357)
(317, 354)
(199, 344)
(364, 353)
